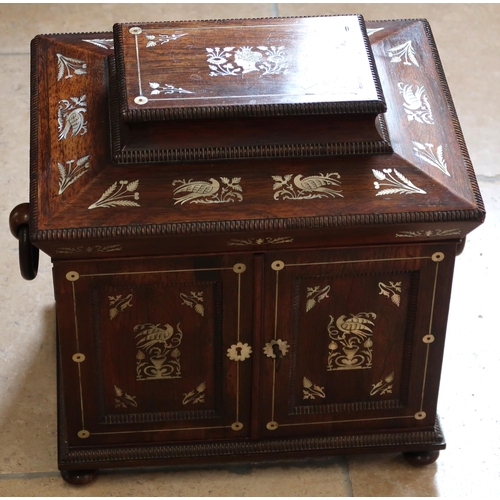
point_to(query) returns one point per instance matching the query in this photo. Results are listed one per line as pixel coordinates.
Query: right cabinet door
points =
(353, 339)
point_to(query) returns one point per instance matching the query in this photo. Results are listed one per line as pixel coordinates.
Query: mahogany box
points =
(253, 226)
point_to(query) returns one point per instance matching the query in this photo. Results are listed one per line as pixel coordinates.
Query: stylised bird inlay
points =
(195, 190)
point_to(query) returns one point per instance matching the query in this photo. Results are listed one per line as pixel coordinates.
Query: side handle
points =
(28, 254)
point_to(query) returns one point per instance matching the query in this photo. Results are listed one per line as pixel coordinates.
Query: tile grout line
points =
(347, 477)
(488, 178)
(28, 475)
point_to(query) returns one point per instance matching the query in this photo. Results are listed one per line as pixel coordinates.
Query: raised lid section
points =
(266, 67)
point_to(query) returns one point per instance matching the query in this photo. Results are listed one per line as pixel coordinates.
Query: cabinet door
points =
(353, 339)
(155, 350)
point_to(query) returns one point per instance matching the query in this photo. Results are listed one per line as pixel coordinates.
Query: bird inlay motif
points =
(306, 188)
(211, 191)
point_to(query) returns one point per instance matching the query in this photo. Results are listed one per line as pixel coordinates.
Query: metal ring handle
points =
(28, 254)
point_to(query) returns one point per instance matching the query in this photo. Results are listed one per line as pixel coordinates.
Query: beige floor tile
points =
(467, 37)
(19, 23)
(327, 479)
(27, 345)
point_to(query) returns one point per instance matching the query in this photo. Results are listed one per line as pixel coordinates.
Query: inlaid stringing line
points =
(345, 421)
(224, 97)
(430, 333)
(238, 364)
(138, 64)
(354, 261)
(158, 272)
(275, 337)
(163, 430)
(78, 350)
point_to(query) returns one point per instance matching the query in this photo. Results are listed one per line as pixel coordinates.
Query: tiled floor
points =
(467, 37)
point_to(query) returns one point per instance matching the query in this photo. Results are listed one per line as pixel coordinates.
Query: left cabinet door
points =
(154, 350)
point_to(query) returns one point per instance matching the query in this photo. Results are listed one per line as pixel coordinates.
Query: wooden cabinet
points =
(253, 226)
(260, 347)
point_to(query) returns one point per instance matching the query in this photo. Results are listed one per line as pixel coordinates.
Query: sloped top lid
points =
(266, 67)
(78, 192)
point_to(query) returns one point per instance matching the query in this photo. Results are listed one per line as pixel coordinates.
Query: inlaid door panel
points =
(351, 338)
(157, 349)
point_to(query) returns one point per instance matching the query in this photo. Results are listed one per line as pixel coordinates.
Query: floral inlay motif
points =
(406, 51)
(119, 194)
(104, 43)
(260, 241)
(158, 356)
(384, 386)
(315, 295)
(391, 291)
(312, 391)
(70, 117)
(276, 348)
(118, 304)
(154, 40)
(195, 396)
(208, 192)
(194, 300)
(166, 89)
(401, 185)
(123, 400)
(265, 60)
(429, 233)
(350, 335)
(426, 153)
(306, 188)
(239, 352)
(416, 105)
(371, 31)
(71, 173)
(68, 64)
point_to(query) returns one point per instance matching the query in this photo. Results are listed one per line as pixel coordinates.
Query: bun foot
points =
(421, 457)
(79, 477)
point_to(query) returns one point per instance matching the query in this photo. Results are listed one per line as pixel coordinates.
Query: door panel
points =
(352, 333)
(156, 349)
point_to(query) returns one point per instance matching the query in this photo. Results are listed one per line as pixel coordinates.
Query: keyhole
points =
(238, 351)
(277, 351)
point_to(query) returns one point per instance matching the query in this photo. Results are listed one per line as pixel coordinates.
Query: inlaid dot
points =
(83, 434)
(140, 99)
(272, 426)
(429, 339)
(72, 276)
(78, 357)
(237, 426)
(278, 265)
(420, 415)
(135, 30)
(438, 256)
(239, 268)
